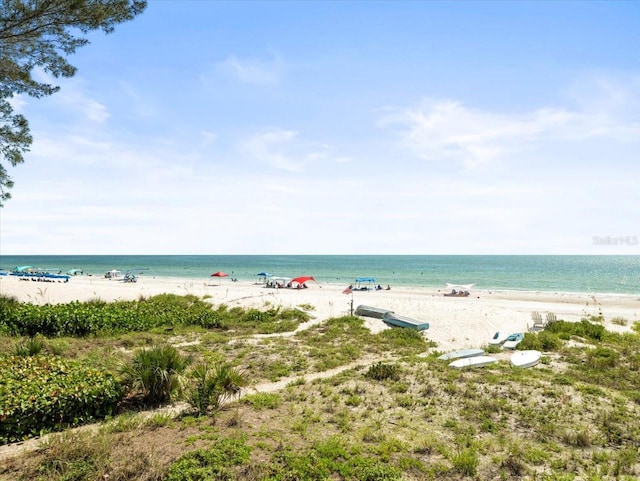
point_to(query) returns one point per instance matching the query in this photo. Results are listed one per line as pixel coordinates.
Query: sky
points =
(319, 127)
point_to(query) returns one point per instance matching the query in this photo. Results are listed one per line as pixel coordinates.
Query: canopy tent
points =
(460, 287)
(301, 280)
(219, 275)
(262, 277)
(278, 282)
(22, 269)
(364, 283)
(112, 274)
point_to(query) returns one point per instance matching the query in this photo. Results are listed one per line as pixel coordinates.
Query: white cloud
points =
(443, 130)
(253, 71)
(208, 138)
(271, 148)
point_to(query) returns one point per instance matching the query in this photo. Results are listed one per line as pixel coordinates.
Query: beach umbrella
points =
(301, 280)
(263, 274)
(219, 274)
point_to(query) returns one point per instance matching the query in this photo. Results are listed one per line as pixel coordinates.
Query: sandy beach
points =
(454, 322)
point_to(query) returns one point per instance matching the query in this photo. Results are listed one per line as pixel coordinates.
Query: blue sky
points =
(211, 127)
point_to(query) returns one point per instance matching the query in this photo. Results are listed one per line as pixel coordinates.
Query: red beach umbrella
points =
(302, 280)
(219, 274)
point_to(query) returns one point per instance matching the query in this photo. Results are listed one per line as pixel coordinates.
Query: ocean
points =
(585, 274)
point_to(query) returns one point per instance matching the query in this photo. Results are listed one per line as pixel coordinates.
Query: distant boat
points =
(403, 321)
(525, 358)
(462, 354)
(368, 311)
(477, 361)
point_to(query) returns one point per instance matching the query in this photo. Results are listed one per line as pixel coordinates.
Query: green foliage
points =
(541, 341)
(602, 357)
(165, 310)
(214, 462)
(328, 460)
(404, 339)
(213, 385)
(40, 35)
(93, 318)
(381, 371)
(155, 373)
(39, 394)
(466, 462)
(584, 329)
(30, 347)
(263, 400)
(272, 320)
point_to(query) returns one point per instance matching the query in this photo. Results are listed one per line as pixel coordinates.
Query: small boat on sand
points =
(403, 321)
(462, 354)
(498, 339)
(513, 340)
(368, 311)
(476, 361)
(525, 358)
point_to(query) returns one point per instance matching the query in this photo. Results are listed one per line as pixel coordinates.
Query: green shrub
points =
(263, 400)
(98, 317)
(213, 385)
(381, 371)
(155, 373)
(214, 462)
(42, 393)
(466, 462)
(584, 329)
(31, 347)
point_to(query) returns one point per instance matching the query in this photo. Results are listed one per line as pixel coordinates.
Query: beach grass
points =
(336, 401)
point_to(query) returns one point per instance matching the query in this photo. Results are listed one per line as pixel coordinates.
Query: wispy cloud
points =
(271, 147)
(447, 130)
(254, 70)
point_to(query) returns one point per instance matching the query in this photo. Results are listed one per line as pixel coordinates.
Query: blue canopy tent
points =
(364, 284)
(262, 277)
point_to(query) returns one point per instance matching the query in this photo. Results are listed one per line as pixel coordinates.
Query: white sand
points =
(454, 322)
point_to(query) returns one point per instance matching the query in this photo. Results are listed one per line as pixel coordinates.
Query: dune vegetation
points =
(181, 391)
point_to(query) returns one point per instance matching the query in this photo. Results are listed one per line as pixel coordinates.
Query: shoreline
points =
(455, 323)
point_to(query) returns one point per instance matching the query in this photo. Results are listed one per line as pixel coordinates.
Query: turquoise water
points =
(601, 274)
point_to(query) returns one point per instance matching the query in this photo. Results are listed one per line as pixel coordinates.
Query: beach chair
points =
(551, 318)
(538, 322)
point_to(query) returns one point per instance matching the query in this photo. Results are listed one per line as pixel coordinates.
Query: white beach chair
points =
(551, 318)
(538, 322)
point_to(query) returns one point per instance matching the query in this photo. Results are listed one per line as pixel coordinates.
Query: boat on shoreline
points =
(393, 319)
(476, 361)
(369, 311)
(525, 359)
(461, 354)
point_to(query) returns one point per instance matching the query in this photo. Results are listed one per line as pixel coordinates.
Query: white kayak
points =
(525, 358)
(463, 353)
(477, 361)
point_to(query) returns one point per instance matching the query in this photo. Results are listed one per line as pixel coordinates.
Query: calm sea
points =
(601, 274)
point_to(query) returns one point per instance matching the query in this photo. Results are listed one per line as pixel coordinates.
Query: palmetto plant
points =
(156, 373)
(214, 385)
